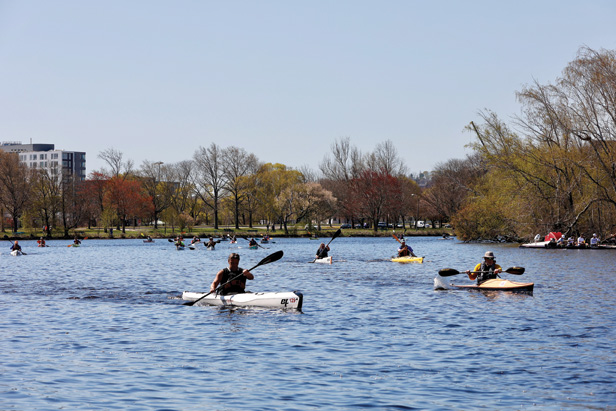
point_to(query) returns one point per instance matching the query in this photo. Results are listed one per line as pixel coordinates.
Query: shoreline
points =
(142, 234)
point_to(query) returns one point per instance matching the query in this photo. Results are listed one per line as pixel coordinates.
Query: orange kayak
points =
(498, 284)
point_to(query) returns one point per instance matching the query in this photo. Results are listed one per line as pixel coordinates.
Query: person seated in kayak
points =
(15, 246)
(322, 251)
(149, 239)
(76, 241)
(41, 242)
(211, 243)
(179, 242)
(405, 250)
(570, 241)
(233, 278)
(252, 242)
(594, 241)
(561, 241)
(486, 270)
(581, 242)
(196, 239)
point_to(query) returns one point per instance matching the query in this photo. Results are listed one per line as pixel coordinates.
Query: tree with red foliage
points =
(376, 194)
(127, 199)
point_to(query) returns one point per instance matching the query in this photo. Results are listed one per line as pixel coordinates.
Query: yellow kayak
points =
(407, 259)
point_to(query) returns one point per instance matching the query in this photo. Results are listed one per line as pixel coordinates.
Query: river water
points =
(101, 327)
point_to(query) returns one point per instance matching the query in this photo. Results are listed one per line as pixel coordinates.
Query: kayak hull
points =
(552, 246)
(498, 284)
(284, 300)
(407, 259)
(326, 260)
(16, 253)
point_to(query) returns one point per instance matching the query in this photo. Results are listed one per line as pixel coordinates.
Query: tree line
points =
(218, 186)
(552, 168)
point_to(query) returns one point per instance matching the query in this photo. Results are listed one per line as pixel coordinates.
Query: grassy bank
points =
(207, 231)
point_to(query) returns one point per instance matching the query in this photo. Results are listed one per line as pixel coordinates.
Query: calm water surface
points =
(101, 327)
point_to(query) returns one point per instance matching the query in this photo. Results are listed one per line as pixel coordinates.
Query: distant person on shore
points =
(486, 270)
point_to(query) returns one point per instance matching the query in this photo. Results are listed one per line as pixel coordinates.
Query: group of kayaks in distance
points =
(556, 240)
(487, 273)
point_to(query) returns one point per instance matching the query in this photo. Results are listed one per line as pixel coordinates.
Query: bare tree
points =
(385, 158)
(14, 186)
(345, 163)
(152, 175)
(210, 180)
(113, 158)
(238, 166)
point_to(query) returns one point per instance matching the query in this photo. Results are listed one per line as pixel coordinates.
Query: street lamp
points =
(158, 163)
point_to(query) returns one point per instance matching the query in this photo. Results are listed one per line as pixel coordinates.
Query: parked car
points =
(345, 225)
(382, 225)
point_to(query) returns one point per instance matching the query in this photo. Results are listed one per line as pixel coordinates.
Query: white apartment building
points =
(45, 156)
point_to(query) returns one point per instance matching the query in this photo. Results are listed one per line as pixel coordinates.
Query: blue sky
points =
(281, 79)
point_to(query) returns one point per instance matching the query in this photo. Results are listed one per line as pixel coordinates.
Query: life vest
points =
(487, 272)
(236, 286)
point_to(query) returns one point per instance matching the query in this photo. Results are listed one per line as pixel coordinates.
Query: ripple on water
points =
(101, 327)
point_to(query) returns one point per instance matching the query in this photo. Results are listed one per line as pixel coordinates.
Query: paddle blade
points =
(447, 272)
(337, 233)
(515, 270)
(397, 239)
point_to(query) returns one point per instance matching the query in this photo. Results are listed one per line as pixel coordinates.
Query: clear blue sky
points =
(281, 79)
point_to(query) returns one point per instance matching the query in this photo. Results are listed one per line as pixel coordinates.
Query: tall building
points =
(44, 156)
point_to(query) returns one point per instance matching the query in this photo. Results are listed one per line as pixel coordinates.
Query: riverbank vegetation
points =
(552, 168)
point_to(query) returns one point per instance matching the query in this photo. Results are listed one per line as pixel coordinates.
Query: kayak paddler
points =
(15, 246)
(405, 250)
(211, 244)
(486, 270)
(322, 251)
(236, 286)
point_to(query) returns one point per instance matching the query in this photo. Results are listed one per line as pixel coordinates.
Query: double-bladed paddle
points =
(269, 259)
(336, 234)
(447, 272)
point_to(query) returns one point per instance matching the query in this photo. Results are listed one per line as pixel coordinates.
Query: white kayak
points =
(326, 260)
(286, 300)
(16, 253)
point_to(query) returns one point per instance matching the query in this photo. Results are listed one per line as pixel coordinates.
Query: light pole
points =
(158, 163)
